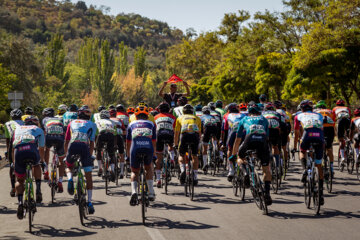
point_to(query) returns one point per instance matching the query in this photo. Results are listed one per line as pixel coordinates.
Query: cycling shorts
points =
(329, 134)
(313, 136)
(135, 161)
(208, 132)
(82, 149)
(57, 141)
(23, 153)
(120, 144)
(161, 139)
(187, 139)
(218, 132)
(102, 139)
(274, 137)
(343, 127)
(259, 144)
(231, 139)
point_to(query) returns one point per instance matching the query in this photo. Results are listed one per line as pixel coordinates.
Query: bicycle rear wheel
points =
(143, 196)
(340, 167)
(30, 207)
(307, 193)
(191, 185)
(350, 161)
(316, 190)
(79, 192)
(235, 184)
(275, 177)
(261, 193)
(167, 175)
(117, 171)
(241, 184)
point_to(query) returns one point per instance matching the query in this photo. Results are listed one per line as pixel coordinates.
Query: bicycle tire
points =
(255, 190)
(350, 160)
(261, 193)
(191, 185)
(241, 185)
(116, 171)
(166, 173)
(307, 193)
(235, 185)
(143, 197)
(275, 177)
(79, 193)
(29, 207)
(53, 182)
(316, 190)
(340, 167)
(285, 169)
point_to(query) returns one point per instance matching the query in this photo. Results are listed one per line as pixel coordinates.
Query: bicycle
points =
(53, 183)
(117, 169)
(106, 163)
(358, 167)
(80, 190)
(213, 156)
(276, 172)
(256, 185)
(29, 201)
(312, 183)
(189, 180)
(349, 158)
(142, 187)
(166, 174)
(328, 174)
(238, 182)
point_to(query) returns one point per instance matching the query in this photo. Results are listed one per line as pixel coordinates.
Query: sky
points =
(202, 15)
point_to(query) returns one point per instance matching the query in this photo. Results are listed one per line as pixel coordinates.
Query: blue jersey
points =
(29, 134)
(234, 119)
(81, 131)
(141, 133)
(68, 117)
(253, 125)
(208, 120)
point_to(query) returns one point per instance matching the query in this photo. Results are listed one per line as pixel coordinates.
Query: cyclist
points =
(79, 140)
(172, 97)
(154, 112)
(111, 107)
(218, 118)
(141, 138)
(354, 133)
(198, 110)
(120, 127)
(187, 131)
(70, 115)
(275, 126)
(28, 143)
(150, 117)
(165, 125)
(219, 107)
(262, 100)
(106, 134)
(10, 127)
(311, 124)
(61, 111)
(122, 115)
(28, 112)
(54, 136)
(329, 129)
(130, 111)
(285, 128)
(178, 111)
(343, 115)
(253, 132)
(209, 129)
(231, 124)
(96, 116)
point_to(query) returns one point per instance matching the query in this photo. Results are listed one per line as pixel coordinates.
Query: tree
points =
(140, 62)
(7, 80)
(122, 63)
(55, 59)
(231, 24)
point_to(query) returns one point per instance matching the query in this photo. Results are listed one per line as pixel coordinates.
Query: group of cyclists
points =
(178, 126)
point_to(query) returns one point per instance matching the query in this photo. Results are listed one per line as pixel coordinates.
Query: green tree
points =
(231, 24)
(140, 62)
(122, 62)
(55, 59)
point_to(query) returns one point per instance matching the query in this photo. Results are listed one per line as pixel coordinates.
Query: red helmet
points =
(242, 106)
(130, 110)
(340, 102)
(357, 112)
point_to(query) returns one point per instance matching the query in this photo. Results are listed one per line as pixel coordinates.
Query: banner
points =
(174, 79)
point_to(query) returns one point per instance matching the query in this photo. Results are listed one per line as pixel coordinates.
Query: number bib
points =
(189, 128)
(55, 129)
(79, 137)
(343, 114)
(141, 132)
(257, 129)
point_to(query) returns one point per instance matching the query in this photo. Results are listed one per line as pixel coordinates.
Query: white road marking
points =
(154, 233)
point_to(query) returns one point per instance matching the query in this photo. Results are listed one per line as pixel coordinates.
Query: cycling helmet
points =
(154, 112)
(188, 109)
(151, 109)
(320, 104)
(100, 108)
(242, 106)
(130, 110)
(142, 103)
(120, 108)
(85, 106)
(112, 113)
(278, 104)
(73, 108)
(105, 114)
(16, 114)
(206, 110)
(48, 112)
(182, 101)
(306, 105)
(357, 112)
(84, 113)
(198, 108)
(142, 110)
(269, 106)
(298, 108)
(31, 120)
(253, 108)
(111, 107)
(232, 107)
(219, 104)
(62, 109)
(211, 105)
(164, 107)
(340, 102)
(262, 98)
(29, 111)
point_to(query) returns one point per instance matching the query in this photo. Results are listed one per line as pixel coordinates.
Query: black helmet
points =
(206, 110)
(306, 105)
(188, 109)
(31, 120)
(48, 112)
(120, 108)
(164, 107)
(211, 105)
(219, 104)
(73, 108)
(16, 114)
(105, 114)
(232, 107)
(263, 98)
(154, 112)
(29, 110)
(100, 108)
(182, 101)
(84, 113)
(278, 104)
(253, 108)
(111, 107)
(198, 107)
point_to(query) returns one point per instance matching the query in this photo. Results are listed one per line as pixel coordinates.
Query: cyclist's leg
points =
(11, 169)
(231, 164)
(135, 169)
(274, 136)
(149, 170)
(99, 147)
(205, 145)
(341, 137)
(356, 146)
(87, 165)
(195, 150)
(182, 152)
(120, 145)
(73, 149)
(329, 134)
(159, 154)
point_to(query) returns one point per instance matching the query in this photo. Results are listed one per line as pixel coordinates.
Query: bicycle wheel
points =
(143, 197)
(117, 171)
(316, 190)
(275, 177)
(235, 184)
(79, 193)
(350, 160)
(30, 206)
(357, 168)
(261, 193)
(165, 181)
(241, 185)
(285, 168)
(53, 185)
(340, 167)
(307, 192)
(254, 190)
(191, 185)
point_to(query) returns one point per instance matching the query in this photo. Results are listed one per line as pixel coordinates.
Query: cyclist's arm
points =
(92, 144)
(187, 89)
(161, 92)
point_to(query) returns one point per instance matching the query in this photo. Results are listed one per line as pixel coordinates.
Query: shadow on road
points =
(101, 223)
(164, 223)
(177, 207)
(10, 238)
(5, 210)
(46, 231)
(324, 213)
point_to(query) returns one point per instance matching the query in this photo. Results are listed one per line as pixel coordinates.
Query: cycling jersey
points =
(11, 126)
(308, 120)
(124, 117)
(221, 111)
(274, 119)
(165, 123)
(209, 127)
(342, 112)
(28, 134)
(198, 113)
(82, 131)
(328, 117)
(208, 120)
(53, 126)
(178, 111)
(253, 125)
(120, 127)
(106, 126)
(68, 117)
(133, 118)
(95, 117)
(217, 116)
(188, 124)
(231, 124)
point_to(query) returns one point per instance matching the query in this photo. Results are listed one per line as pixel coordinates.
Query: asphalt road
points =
(215, 213)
